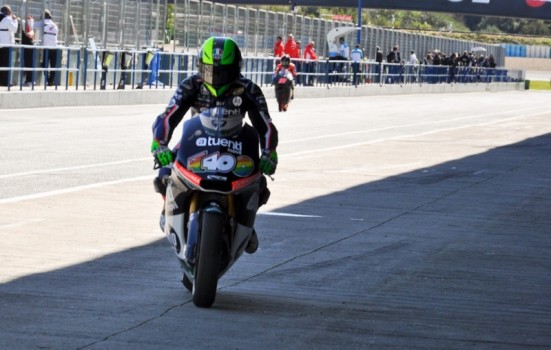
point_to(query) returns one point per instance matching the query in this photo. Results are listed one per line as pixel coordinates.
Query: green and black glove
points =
(268, 162)
(162, 154)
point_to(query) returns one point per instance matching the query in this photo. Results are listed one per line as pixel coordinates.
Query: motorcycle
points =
(283, 81)
(212, 198)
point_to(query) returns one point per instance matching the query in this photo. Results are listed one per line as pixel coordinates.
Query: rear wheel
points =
(208, 264)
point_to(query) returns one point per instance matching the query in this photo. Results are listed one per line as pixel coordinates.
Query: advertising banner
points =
(534, 9)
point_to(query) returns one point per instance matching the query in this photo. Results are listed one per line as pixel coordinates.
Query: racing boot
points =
(162, 220)
(263, 197)
(159, 184)
(252, 246)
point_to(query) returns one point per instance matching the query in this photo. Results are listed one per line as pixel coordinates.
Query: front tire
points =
(187, 283)
(208, 264)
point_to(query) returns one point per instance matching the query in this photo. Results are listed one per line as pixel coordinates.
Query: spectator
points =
(464, 60)
(344, 50)
(437, 58)
(413, 69)
(491, 61)
(49, 41)
(480, 60)
(291, 47)
(8, 26)
(27, 38)
(310, 63)
(413, 58)
(298, 63)
(453, 61)
(378, 55)
(428, 60)
(310, 52)
(356, 56)
(393, 57)
(278, 47)
(379, 58)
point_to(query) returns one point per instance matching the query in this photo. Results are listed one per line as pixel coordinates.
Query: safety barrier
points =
(530, 51)
(100, 69)
(31, 65)
(136, 24)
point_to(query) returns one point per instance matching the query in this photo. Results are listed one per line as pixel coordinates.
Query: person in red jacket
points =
(279, 50)
(310, 64)
(291, 47)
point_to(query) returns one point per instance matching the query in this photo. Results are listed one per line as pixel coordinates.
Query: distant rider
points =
(286, 64)
(218, 83)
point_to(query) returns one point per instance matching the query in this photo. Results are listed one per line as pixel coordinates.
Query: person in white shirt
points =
(357, 56)
(413, 72)
(344, 50)
(413, 58)
(49, 41)
(8, 26)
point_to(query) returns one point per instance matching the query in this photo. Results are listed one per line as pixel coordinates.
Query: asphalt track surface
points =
(395, 222)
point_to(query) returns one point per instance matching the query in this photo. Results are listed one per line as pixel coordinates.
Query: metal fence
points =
(101, 69)
(138, 24)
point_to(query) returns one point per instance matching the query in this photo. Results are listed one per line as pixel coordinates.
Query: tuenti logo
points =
(236, 146)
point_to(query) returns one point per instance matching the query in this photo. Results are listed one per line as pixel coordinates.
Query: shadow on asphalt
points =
(443, 244)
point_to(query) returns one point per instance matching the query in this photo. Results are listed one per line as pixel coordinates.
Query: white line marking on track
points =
(72, 189)
(270, 213)
(44, 171)
(101, 184)
(399, 137)
(21, 223)
(369, 131)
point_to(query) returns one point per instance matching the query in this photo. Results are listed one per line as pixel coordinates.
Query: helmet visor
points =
(218, 75)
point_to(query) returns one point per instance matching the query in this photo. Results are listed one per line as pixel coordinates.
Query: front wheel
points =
(283, 94)
(187, 283)
(208, 264)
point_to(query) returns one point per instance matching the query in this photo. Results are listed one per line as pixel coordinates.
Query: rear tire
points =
(208, 264)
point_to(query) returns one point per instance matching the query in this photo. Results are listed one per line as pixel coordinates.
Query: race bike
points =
(212, 198)
(283, 81)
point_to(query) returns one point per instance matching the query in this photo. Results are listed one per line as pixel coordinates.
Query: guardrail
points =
(84, 68)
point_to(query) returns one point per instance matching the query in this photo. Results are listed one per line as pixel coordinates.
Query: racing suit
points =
(243, 97)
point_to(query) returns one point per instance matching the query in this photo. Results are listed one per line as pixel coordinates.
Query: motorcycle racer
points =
(288, 65)
(218, 83)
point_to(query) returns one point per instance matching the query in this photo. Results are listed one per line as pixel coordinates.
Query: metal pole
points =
(104, 27)
(359, 37)
(155, 37)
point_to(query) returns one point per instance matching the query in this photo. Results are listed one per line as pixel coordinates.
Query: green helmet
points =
(219, 64)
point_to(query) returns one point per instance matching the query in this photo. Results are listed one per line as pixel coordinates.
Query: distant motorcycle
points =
(283, 81)
(210, 226)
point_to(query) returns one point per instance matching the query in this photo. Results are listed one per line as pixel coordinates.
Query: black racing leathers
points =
(244, 97)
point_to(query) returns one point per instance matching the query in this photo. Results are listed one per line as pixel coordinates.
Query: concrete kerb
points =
(16, 99)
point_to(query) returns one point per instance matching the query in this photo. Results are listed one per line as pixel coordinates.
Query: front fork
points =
(183, 217)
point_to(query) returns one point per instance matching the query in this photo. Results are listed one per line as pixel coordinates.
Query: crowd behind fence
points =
(100, 69)
(140, 24)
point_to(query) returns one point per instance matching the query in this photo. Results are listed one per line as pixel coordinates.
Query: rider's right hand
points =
(162, 154)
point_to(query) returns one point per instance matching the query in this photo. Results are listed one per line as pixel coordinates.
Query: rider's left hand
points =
(268, 162)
